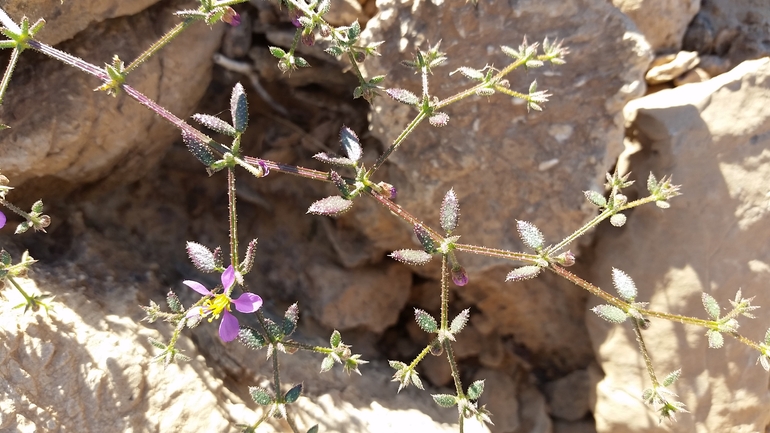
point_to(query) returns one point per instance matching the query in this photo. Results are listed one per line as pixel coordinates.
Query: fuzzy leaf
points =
(595, 198)
(5, 258)
(425, 239)
(251, 254)
(531, 235)
(350, 143)
(475, 390)
(340, 161)
(290, 319)
(411, 257)
(523, 273)
(251, 338)
(624, 285)
(439, 119)
(330, 206)
(201, 257)
(485, 91)
(198, 148)
(354, 31)
(340, 183)
(403, 96)
(458, 323)
(260, 395)
(215, 124)
(652, 183)
(239, 108)
(335, 339)
(672, 377)
(618, 220)
(711, 305)
(277, 52)
(444, 400)
(473, 74)
(610, 313)
(313, 429)
(327, 364)
(716, 340)
(425, 321)
(174, 303)
(293, 394)
(450, 211)
(767, 336)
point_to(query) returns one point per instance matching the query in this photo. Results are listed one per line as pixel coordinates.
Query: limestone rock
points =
(65, 19)
(347, 298)
(64, 135)
(492, 151)
(681, 63)
(696, 75)
(737, 30)
(714, 138)
(662, 22)
(568, 396)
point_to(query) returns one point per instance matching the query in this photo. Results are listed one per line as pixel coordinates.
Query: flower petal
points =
(198, 287)
(195, 311)
(228, 329)
(228, 277)
(2, 220)
(248, 303)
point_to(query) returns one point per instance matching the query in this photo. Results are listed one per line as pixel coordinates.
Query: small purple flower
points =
(219, 304)
(2, 220)
(231, 17)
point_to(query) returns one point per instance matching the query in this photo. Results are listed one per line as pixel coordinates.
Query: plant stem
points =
(645, 354)
(8, 72)
(444, 294)
(160, 43)
(18, 287)
(397, 142)
(233, 214)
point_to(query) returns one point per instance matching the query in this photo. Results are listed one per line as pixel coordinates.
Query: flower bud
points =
(566, 259)
(388, 189)
(308, 39)
(459, 276)
(294, 15)
(620, 199)
(231, 17)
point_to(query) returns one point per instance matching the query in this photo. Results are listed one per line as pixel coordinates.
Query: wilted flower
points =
(219, 304)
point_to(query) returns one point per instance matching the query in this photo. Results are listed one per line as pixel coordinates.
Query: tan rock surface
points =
(714, 137)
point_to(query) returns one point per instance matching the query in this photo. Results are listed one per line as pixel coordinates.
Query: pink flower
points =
(216, 305)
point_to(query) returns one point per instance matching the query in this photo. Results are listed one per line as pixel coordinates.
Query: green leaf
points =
(215, 124)
(239, 108)
(290, 319)
(652, 183)
(473, 74)
(767, 336)
(444, 400)
(251, 338)
(274, 331)
(293, 394)
(5, 258)
(610, 313)
(174, 303)
(198, 148)
(595, 198)
(334, 51)
(475, 390)
(354, 31)
(313, 429)
(335, 339)
(277, 52)
(340, 183)
(672, 377)
(425, 321)
(458, 323)
(411, 257)
(403, 96)
(425, 239)
(327, 363)
(711, 305)
(202, 258)
(450, 211)
(350, 143)
(334, 160)
(330, 206)
(716, 340)
(248, 260)
(260, 395)
(523, 273)
(531, 235)
(624, 285)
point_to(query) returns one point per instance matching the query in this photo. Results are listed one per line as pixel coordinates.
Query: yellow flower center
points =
(214, 306)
